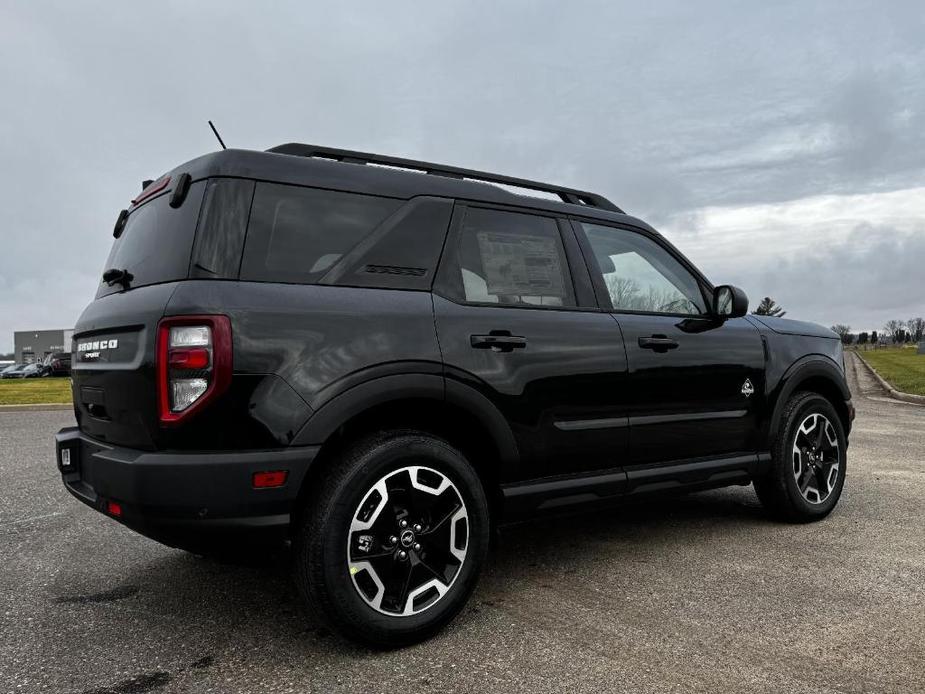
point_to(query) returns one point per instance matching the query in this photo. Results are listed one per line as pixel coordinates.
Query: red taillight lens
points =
(188, 358)
(194, 360)
(113, 508)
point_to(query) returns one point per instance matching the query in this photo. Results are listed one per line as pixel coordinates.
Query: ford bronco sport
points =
(379, 359)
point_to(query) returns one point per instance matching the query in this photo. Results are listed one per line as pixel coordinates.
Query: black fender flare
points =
(397, 387)
(810, 366)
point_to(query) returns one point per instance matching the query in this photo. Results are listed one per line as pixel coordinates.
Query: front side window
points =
(297, 234)
(512, 258)
(640, 275)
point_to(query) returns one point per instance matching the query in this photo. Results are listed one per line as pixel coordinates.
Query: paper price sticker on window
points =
(520, 264)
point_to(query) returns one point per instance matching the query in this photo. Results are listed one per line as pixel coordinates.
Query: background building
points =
(34, 345)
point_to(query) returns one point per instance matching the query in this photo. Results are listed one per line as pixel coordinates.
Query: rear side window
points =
(155, 244)
(297, 234)
(512, 258)
(222, 226)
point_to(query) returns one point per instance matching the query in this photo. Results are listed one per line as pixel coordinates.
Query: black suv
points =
(380, 359)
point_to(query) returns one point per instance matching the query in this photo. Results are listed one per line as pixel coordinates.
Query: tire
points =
(801, 486)
(435, 535)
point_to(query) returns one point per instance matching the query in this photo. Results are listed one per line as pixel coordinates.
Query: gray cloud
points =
(665, 107)
(873, 275)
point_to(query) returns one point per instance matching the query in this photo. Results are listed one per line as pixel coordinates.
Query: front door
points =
(512, 323)
(695, 382)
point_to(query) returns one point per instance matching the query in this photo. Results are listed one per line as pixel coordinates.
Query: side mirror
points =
(729, 302)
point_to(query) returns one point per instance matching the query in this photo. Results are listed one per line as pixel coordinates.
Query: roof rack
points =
(570, 195)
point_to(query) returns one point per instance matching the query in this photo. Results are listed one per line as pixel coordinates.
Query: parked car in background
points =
(13, 371)
(35, 370)
(57, 364)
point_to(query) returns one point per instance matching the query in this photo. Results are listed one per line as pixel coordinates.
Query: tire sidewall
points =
(393, 453)
(813, 404)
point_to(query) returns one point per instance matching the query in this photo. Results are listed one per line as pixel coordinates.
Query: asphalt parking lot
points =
(699, 594)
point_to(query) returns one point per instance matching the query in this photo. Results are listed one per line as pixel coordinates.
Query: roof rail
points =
(570, 195)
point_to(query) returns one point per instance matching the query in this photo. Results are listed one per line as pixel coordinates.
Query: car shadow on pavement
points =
(255, 594)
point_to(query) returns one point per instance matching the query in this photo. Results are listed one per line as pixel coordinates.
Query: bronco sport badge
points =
(747, 388)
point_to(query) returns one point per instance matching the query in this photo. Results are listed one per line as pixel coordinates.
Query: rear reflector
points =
(266, 480)
(114, 509)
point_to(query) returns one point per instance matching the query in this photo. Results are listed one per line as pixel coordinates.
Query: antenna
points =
(217, 136)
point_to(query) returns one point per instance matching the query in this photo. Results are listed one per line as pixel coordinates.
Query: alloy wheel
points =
(407, 541)
(816, 458)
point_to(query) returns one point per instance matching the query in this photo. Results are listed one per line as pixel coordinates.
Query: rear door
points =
(112, 364)
(517, 320)
(695, 382)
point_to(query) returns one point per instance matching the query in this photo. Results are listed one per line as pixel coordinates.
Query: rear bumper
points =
(171, 494)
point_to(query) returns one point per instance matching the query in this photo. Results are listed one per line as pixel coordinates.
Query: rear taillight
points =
(193, 364)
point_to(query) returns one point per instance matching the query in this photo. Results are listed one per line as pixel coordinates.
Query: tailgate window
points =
(297, 234)
(156, 241)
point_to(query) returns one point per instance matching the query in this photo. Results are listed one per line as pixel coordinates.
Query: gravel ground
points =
(699, 594)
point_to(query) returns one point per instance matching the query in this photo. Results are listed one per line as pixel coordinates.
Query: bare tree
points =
(769, 307)
(623, 290)
(916, 327)
(844, 332)
(896, 330)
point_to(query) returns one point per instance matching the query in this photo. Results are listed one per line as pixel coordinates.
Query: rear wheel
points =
(808, 461)
(392, 543)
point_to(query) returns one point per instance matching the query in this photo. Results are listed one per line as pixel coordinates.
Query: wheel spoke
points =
(822, 483)
(403, 574)
(439, 524)
(431, 570)
(820, 434)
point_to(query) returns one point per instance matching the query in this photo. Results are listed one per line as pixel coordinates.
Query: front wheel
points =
(392, 543)
(808, 461)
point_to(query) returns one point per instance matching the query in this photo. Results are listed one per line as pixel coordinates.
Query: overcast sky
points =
(780, 145)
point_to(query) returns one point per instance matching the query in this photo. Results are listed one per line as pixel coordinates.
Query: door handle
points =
(498, 341)
(658, 343)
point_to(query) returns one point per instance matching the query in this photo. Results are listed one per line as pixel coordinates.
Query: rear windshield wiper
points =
(116, 276)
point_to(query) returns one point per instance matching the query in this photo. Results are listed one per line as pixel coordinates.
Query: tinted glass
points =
(222, 226)
(297, 234)
(403, 251)
(512, 258)
(641, 275)
(156, 241)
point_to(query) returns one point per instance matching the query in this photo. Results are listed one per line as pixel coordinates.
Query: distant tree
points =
(844, 332)
(916, 328)
(863, 338)
(6, 357)
(896, 329)
(769, 307)
(874, 338)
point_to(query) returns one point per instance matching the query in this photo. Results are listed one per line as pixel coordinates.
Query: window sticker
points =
(520, 264)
